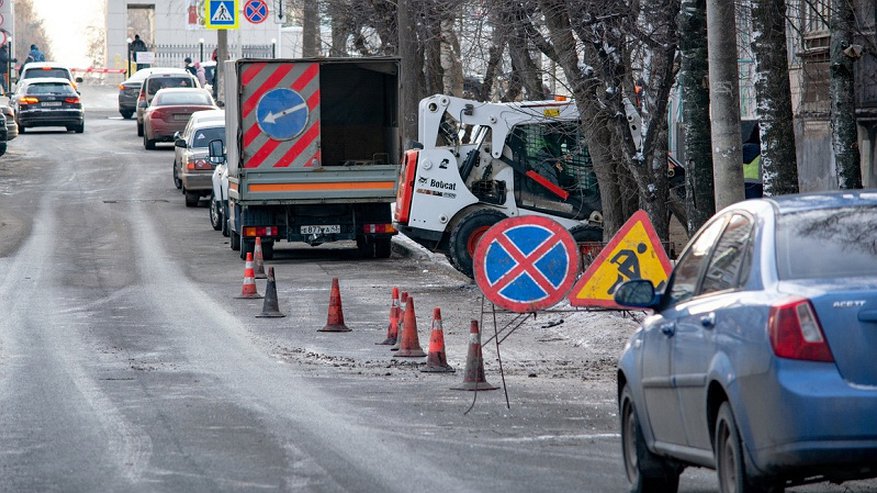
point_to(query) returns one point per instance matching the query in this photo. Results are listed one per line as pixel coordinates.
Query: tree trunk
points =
(310, 29)
(341, 31)
(452, 64)
(700, 202)
(725, 102)
(411, 67)
(844, 134)
(778, 158)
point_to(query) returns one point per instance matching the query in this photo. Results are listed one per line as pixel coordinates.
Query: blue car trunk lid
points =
(847, 312)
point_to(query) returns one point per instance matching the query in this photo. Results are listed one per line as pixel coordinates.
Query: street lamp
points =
(201, 49)
(128, 67)
(273, 48)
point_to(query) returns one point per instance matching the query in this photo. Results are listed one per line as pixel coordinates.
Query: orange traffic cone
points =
(474, 378)
(258, 260)
(400, 321)
(393, 328)
(436, 360)
(270, 309)
(409, 346)
(335, 320)
(248, 290)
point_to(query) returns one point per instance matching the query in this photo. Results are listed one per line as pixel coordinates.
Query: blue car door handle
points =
(668, 329)
(708, 321)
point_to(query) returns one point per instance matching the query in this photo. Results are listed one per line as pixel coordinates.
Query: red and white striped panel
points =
(261, 151)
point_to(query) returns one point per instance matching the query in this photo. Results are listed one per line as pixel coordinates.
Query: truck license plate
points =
(321, 229)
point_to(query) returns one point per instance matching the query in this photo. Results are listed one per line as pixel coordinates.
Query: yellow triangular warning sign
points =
(635, 252)
(222, 14)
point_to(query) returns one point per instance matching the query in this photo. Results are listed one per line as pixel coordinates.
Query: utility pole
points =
(721, 27)
(221, 56)
(408, 52)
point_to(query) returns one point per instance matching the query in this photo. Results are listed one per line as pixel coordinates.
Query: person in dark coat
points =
(137, 46)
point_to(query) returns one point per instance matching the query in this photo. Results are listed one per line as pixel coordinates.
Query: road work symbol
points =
(282, 114)
(526, 264)
(635, 252)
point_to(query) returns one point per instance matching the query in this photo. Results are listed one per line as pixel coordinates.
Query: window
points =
(47, 72)
(686, 275)
(557, 153)
(806, 239)
(50, 88)
(730, 262)
(205, 135)
(182, 97)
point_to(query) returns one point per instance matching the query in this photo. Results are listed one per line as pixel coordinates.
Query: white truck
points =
(477, 163)
(312, 153)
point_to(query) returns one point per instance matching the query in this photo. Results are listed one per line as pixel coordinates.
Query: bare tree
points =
(30, 30)
(700, 202)
(778, 158)
(844, 135)
(620, 42)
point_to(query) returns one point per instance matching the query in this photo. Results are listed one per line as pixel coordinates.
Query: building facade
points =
(174, 29)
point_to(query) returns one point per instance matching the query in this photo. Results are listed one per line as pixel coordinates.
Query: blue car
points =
(760, 358)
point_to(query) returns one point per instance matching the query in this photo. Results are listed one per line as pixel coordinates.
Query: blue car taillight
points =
(795, 332)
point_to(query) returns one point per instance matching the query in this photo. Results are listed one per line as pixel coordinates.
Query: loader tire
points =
(465, 235)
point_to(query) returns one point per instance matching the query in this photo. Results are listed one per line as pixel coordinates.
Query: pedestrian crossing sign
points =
(635, 252)
(221, 14)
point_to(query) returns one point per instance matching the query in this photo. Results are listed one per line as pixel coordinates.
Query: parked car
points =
(759, 358)
(156, 82)
(48, 102)
(192, 169)
(41, 70)
(11, 126)
(169, 113)
(219, 194)
(3, 134)
(129, 89)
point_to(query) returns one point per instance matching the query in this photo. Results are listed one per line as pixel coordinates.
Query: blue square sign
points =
(221, 14)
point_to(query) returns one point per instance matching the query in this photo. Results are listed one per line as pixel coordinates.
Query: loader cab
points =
(553, 170)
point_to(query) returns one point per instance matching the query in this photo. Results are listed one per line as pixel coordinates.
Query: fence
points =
(171, 55)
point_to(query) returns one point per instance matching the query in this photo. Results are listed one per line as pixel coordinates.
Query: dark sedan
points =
(129, 89)
(169, 112)
(48, 102)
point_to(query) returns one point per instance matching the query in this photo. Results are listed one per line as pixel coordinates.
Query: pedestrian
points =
(201, 74)
(36, 54)
(188, 66)
(4, 66)
(138, 46)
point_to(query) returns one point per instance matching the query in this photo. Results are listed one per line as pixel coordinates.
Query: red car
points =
(169, 112)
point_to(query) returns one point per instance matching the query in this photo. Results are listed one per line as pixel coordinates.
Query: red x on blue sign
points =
(256, 11)
(526, 264)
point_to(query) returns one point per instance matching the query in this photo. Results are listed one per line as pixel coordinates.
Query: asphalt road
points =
(126, 364)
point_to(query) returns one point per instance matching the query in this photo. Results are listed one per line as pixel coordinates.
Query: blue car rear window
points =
(827, 243)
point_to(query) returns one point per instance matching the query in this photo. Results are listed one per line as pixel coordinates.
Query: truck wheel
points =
(465, 235)
(383, 248)
(586, 233)
(267, 250)
(192, 199)
(248, 246)
(366, 248)
(225, 219)
(234, 240)
(215, 214)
